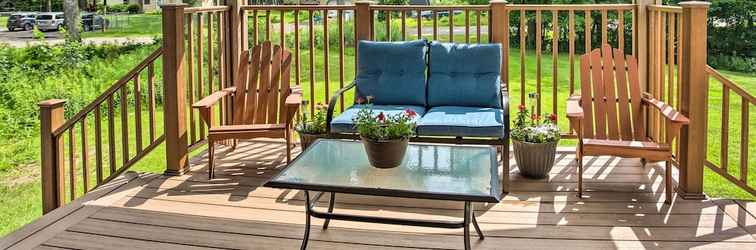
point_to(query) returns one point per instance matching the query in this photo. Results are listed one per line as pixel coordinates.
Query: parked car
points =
(92, 21)
(50, 21)
(21, 20)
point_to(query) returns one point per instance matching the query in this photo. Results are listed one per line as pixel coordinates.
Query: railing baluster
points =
(84, 154)
(523, 35)
(435, 25)
(538, 38)
(388, 25)
(312, 61)
(467, 26)
(189, 85)
(341, 56)
(267, 25)
(210, 57)
(151, 99)
(621, 31)
(725, 127)
(72, 163)
(222, 67)
(124, 124)
(554, 62)
(451, 25)
(588, 27)
(744, 124)
(634, 33)
(326, 65)
(604, 26)
(477, 24)
(670, 59)
(572, 51)
(419, 24)
(404, 25)
(138, 113)
(297, 67)
(98, 144)
(255, 28)
(200, 58)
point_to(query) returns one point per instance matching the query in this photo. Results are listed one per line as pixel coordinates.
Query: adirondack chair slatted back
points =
(611, 96)
(262, 85)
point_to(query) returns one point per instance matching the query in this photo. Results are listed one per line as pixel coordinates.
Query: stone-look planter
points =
(534, 160)
(309, 139)
(385, 154)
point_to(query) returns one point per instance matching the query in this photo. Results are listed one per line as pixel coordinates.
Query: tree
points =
(73, 20)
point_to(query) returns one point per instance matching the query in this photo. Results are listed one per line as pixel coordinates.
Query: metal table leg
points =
(467, 225)
(307, 221)
(330, 210)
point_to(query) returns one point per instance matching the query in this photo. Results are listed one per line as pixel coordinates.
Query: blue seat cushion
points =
(344, 124)
(464, 75)
(462, 121)
(392, 72)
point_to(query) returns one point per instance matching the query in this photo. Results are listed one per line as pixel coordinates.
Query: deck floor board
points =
(622, 209)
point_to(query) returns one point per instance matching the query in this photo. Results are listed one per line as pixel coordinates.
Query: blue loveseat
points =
(456, 90)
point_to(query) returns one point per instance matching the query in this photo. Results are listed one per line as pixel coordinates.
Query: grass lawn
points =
(3, 21)
(149, 24)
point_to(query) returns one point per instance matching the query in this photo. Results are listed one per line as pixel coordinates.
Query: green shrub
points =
(118, 8)
(734, 63)
(134, 8)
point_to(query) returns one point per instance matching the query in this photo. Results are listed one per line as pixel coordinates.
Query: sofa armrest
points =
(332, 104)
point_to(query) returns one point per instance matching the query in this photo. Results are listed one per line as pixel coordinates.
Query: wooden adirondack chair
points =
(263, 102)
(612, 122)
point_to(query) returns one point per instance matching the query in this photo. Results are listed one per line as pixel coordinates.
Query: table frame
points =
(468, 218)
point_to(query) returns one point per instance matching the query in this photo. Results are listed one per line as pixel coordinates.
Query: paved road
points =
(26, 38)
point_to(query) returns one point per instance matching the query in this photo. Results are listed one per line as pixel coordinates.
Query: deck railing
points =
(201, 47)
(740, 143)
(117, 124)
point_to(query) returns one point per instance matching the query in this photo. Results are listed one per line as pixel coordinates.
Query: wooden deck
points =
(623, 209)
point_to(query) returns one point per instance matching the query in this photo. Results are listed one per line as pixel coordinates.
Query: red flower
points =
(381, 117)
(553, 117)
(535, 117)
(522, 107)
(360, 100)
(410, 113)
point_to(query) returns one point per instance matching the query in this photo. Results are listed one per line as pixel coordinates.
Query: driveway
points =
(26, 38)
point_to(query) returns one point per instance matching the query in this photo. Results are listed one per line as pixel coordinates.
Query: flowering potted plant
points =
(385, 136)
(311, 127)
(535, 141)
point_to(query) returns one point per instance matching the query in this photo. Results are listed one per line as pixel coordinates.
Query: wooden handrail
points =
(298, 7)
(572, 6)
(665, 8)
(206, 9)
(109, 92)
(730, 84)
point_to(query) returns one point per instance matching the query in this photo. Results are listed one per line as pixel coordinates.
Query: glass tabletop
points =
(433, 171)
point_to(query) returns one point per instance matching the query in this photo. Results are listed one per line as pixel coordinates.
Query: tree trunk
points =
(48, 6)
(72, 19)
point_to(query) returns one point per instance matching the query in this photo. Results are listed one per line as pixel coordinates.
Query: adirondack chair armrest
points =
(332, 104)
(212, 99)
(668, 111)
(574, 110)
(295, 98)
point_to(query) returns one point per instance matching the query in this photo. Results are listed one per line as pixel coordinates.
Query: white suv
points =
(50, 21)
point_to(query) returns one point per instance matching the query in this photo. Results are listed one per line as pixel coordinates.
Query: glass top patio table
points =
(429, 171)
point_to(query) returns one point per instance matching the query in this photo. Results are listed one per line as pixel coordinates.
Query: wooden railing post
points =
(693, 102)
(234, 40)
(363, 20)
(499, 29)
(643, 39)
(53, 182)
(174, 120)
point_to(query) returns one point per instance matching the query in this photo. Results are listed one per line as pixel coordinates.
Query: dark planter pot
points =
(534, 160)
(309, 139)
(385, 154)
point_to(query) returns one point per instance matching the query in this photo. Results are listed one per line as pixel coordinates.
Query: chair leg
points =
(288, 146)
(580, 175)
(668, 182)
(211, 159)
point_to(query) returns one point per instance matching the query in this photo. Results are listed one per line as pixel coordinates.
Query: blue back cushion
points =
(464, 75)
(392, 72)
